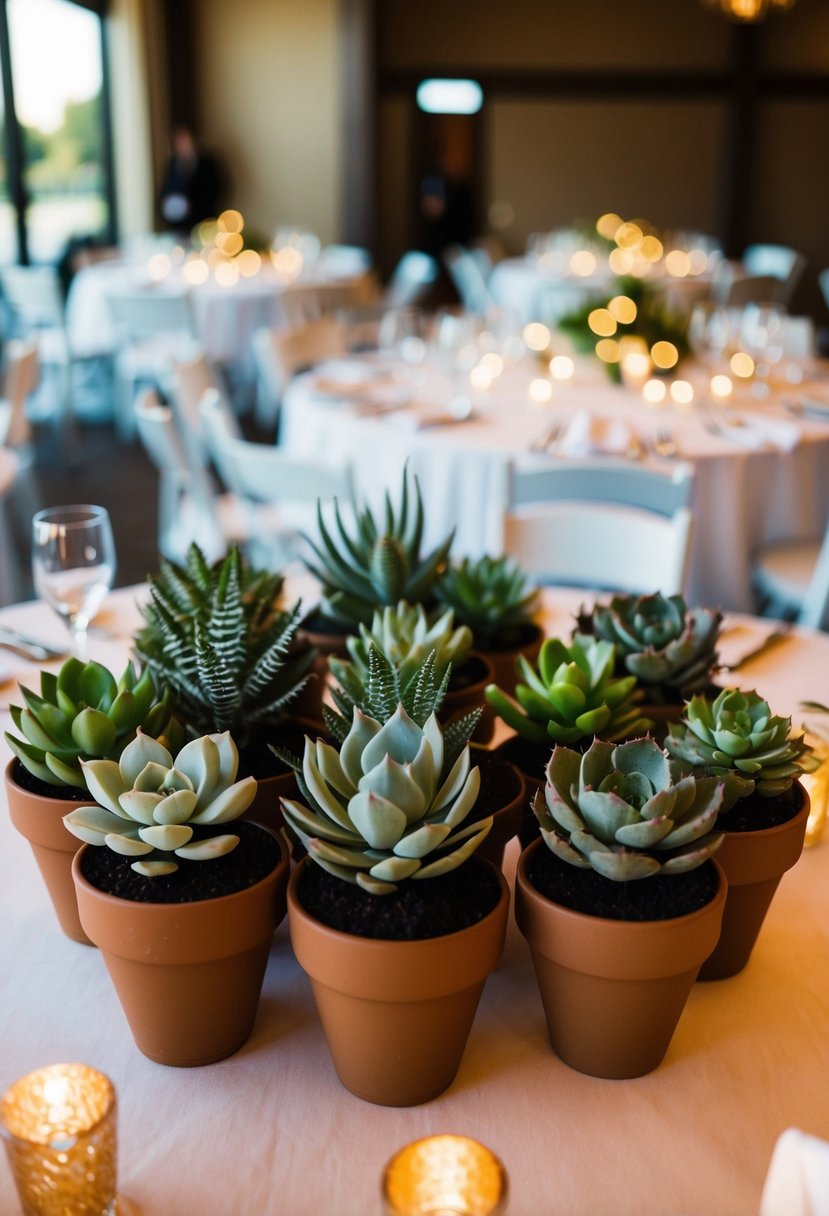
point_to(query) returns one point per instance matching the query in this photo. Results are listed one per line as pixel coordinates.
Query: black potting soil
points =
(754, 813)
(317, 623)
(658, 898)
(256, 854)
(256, 758)
(529, 758)
(473, 671)
(510, 637)
(499, 783)
(432, 907)
(28, 781)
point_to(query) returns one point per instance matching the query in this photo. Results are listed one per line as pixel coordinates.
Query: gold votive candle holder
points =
(59, 1127)
(444, 1176)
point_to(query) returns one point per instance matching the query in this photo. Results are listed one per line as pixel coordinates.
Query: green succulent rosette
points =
(658, 639)
(627, 811)
(389, 806)
(736, 737)
(150, 805)
(492, 596)
(406, 636)
(377, 562)
(571, 694)
(84, 713)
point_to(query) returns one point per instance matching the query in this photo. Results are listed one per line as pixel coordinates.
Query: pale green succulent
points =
(83, 713)
(627, 812)
(390, 805)
(379, 564)
(737, 738)
(570, 695)
(659, 639)
(492, 596)
(405, 636)
(150, 804)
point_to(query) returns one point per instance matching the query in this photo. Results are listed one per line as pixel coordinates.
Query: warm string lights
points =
(749, 10)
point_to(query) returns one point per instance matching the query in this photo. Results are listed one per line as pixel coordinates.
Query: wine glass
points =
(73, 564)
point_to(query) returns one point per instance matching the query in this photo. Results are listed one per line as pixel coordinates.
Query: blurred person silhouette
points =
(192, 183)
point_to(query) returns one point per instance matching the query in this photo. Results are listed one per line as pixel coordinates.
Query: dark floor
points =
(98, 468)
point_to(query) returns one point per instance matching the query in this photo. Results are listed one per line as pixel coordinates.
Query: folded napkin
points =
(797, 1183)
(757, 431)
(813, 400)
(588, 435)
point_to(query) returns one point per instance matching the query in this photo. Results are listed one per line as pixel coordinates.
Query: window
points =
(54, 50)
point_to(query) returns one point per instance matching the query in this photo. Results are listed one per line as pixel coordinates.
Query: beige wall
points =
(268, 84)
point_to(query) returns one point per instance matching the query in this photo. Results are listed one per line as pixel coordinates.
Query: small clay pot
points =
(613, 991)
(458, 700)
(188, 975)
(396, 1014)
(506, 820)
(754, 863)
(40, 819)
(503, 661)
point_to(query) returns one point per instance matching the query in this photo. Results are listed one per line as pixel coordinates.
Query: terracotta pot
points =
(503, 661)
(40, 820)
(396, 1015)
(310, 701)
(754, 863)
(506, 820)
(458, 700)
(188, 976)
(613, 991)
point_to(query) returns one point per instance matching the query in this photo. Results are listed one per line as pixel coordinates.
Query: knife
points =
(36, 649)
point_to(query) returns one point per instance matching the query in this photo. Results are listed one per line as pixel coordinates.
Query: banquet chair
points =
(782, 263)
(188, 507)
(600, 523)
(20, 381)
(279, 354)
(36, 298)
(791, 579)
(280, 492)
(823, 280)
(344, 261)
(191, 378)
(411, 280)
(154, 330)
(468, 278)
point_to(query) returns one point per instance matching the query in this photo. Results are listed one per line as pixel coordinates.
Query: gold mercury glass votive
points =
(444, 1176)
(59, 1127)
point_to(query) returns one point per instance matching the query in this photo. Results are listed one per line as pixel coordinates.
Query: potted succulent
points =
(371, 564)
(759, 759)
(670, 648)
(217, 638)
(376, 685)
(619, 901)
(82, 713)
(405, 634)
(394, 920)
(183, 911)
(570, 696)
(492, 597)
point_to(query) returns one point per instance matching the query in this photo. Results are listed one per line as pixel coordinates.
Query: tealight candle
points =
(682, 392)
(59, 1127)
(540, 391)
(444, 1176)
(635, 368)
(722, 387)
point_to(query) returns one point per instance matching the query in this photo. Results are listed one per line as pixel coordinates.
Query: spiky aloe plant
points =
(378, 563)
(151, 806)
(627, 811)
(668, 646)
(738, 739)
(390, 805)
(217, 637)
(572, 694)
(83, 713)
(492, 596)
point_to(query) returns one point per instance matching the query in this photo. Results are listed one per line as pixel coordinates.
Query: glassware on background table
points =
(73, 564)
(762, 336)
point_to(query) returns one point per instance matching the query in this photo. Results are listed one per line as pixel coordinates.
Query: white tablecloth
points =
(743, 496)
(225, 317)
(271, 1131)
